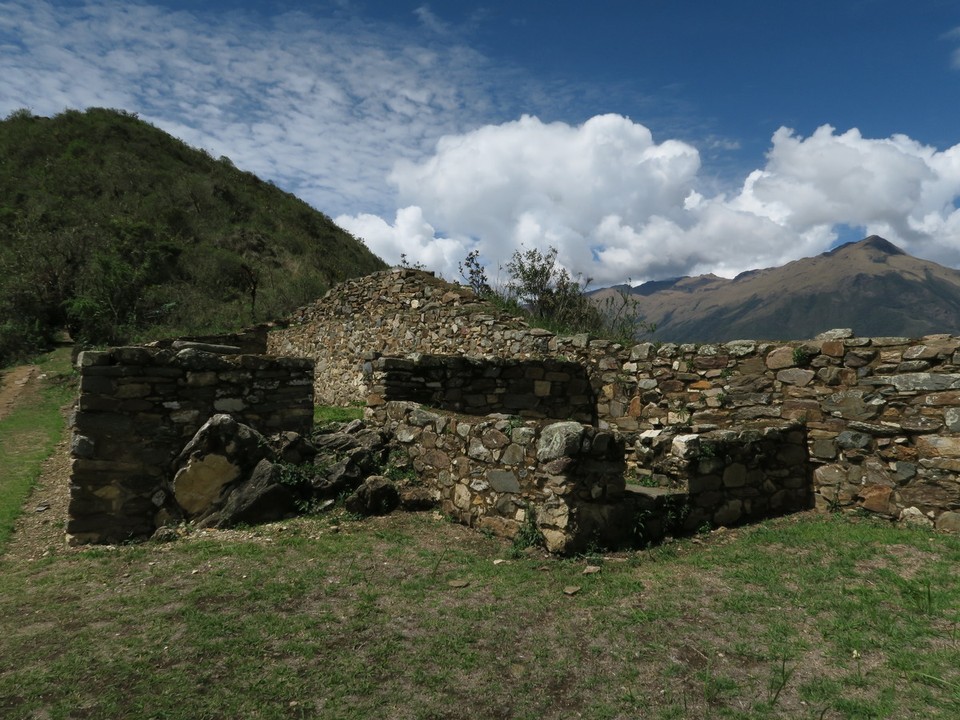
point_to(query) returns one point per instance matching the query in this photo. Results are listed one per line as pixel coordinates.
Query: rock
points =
(562, 439)
(938, 446)
(849, 440)
(949, 522)
(876, 498)
(916, 382)
(780, 358)
(263, 497)
(835, 334)
(198, 485)
(221, 452)
(206, 347)
(914, 516)
(503, 481)
(165, 533)
(414, 499)
(377, 495)
(853, 405)
(293, 448)
(345, 459)
(685, 446)
(795, 376)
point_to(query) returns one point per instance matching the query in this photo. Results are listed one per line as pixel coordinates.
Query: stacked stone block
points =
(498, 472)
(882, 414)
(539, 389)
(138, 407)
(730, 476)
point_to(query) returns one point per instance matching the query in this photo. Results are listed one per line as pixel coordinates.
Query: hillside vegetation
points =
(115, 230)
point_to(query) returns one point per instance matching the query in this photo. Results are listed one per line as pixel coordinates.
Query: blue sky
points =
(642, 139)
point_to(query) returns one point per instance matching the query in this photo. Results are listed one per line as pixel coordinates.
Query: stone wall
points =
(730, 476)
(882, 415)
(568, 479)
(394, 313)
(498, 472)
(548, 388)
(138, 407)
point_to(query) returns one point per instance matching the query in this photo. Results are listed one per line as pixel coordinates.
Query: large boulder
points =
(222, 453)
(263, 497)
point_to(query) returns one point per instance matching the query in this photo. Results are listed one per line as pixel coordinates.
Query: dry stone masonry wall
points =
(729, 476)
(538, 389)
(137, 409)
(498, 473)
(394, 313)
(881, 415)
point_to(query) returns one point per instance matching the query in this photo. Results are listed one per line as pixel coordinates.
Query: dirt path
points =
(13, 384)
(39, 531)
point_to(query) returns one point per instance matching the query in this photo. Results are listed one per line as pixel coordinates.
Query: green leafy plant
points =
(399, 469)
(117, 231)
(528, 536)
(802, 356)
(549, 296)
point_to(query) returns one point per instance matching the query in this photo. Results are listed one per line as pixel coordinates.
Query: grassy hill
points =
(115, 230)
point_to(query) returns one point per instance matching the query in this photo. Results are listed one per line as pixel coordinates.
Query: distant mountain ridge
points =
(871, 286)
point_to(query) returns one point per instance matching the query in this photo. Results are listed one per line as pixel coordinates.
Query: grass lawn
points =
(411, 616)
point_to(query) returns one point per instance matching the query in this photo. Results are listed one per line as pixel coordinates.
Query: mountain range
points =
(870, 286)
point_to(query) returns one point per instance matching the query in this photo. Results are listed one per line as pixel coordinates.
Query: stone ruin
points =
(507, 426)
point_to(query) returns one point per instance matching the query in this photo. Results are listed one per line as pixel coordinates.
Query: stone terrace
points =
(881, 415)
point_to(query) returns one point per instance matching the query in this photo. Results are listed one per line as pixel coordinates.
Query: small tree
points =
(553, 298)
(549, 292)
(472, 271)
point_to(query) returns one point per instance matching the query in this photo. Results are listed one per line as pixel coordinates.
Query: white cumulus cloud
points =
(617, 204)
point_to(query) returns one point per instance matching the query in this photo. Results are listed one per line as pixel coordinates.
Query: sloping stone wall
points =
(882, 414)
(394, 313)
(138, 407)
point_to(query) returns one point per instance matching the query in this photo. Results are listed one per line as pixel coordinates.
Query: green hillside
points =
(115, 230)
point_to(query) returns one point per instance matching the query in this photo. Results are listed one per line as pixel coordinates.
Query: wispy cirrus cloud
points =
(323, 103)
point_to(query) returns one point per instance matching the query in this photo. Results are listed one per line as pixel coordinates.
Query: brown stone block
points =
(833, 348)
(711, 362)
(876, 498)
(938, 446)
(939, 399)
(802, 410)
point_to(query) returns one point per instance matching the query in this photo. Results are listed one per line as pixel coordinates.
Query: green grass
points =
(28, 436)
(331, 413)
(819, 617)
(410, 616)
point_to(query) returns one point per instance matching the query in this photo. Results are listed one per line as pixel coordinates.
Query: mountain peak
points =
(871, 285)
(873, 243)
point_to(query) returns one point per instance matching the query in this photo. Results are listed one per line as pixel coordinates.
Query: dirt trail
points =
(39, 531)
(13, 384)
